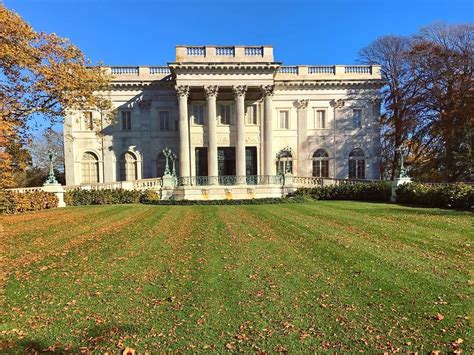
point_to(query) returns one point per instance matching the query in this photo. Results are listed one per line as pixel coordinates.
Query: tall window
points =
(320, 119)
(357, 118)
(251, 114)
(357, 164)
(320, 163)
(284, 164)
(89, 168)
(128, 167)
(164, 120)
(88, 122)
(126, 120)
(224, 114)
(198, 114)
(284, 119)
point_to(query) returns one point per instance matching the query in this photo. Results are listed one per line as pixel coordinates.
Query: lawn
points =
(326, 276)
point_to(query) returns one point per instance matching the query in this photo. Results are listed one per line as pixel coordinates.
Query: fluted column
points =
(184, 170)
(268, 165)
(212, 168)
(239, 94)
(302, 154)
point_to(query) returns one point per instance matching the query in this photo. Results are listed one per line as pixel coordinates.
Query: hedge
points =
(360, 191)
(79, 197)
(458, 196)
(15, 202)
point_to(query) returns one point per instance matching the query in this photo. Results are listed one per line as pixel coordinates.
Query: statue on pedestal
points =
(51, 180)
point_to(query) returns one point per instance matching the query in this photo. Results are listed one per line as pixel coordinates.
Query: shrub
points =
(149, 196)
(458, 196)
(15, 202)
(360, 191)
(79, 197)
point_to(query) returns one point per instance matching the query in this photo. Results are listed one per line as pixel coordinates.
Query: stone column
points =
(336, 105)
(183, 92)
(268, 164)
(212, 168)
(239, 94)
(302, 154)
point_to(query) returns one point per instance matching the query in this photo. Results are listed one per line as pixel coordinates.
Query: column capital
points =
(211, 91)
(301, 104)
(239, 90)
(337, 103)
(267, 90)
(182, 90)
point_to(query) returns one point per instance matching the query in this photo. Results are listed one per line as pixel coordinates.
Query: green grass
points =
(326, 276)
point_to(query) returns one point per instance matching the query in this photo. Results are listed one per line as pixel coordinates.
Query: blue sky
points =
(121, 32)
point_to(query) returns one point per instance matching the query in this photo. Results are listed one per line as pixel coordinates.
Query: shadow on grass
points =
(104, 336)
(401, 208)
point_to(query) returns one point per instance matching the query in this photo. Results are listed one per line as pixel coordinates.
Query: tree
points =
(41, 74)
(400, 104)
(442, 57)
(428, 101)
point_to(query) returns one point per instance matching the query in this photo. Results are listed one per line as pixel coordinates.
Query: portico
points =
(233, 137)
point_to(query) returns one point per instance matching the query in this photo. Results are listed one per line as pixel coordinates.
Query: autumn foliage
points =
(41, 74)
(16, 202)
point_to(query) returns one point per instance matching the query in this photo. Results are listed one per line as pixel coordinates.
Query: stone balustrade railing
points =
(124, 70)
(328, 72)
(160, 70)
(208, 54)
(288, 70)
(296, 72)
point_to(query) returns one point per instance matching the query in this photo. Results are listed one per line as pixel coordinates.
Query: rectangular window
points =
(251, 114)
(198, 114)
(88, 121)
(126, 121)
(224, 114)
(164, 120)
(320, 119)
(357, 118)
(284, 119)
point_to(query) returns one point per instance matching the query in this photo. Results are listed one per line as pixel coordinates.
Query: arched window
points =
(284, 164)
(128, 167)
(89, 168)
(320, 163)
(357, 164)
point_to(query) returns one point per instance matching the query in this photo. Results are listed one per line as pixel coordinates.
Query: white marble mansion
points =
(230, 115)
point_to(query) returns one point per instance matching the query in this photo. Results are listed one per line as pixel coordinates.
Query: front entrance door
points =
(201, 164)
(251, 164)
(226, 165)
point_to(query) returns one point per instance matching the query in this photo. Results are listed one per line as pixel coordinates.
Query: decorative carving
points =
(267, 90)
(252, 139)
(239, 90)
(337, 103)
(182, 90)
(222, 139)
(211, 90)
(301, 104)
(196, 140)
